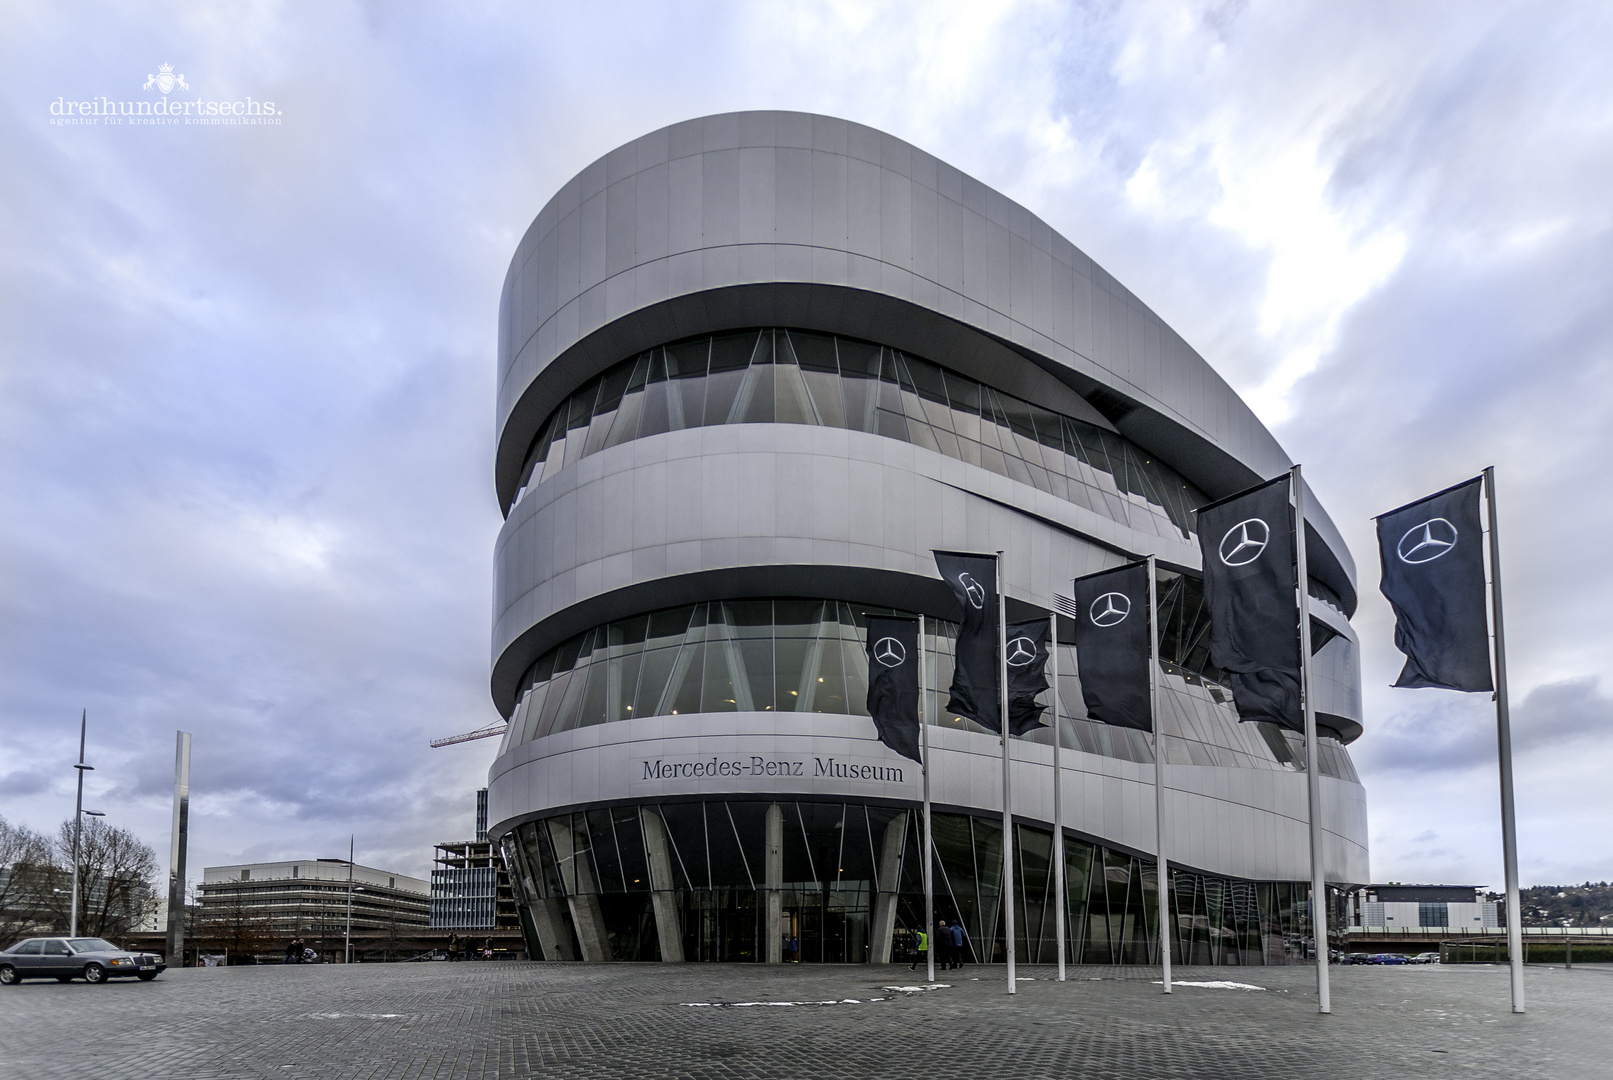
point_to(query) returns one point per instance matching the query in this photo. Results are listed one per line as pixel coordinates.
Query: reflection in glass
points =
(795, 655)
(798, 377)
(829, 866)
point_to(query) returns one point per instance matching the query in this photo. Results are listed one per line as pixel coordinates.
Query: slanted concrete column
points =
(890, 877)
(582, 895)
(775, 884)
(663, 894)
(549, 923)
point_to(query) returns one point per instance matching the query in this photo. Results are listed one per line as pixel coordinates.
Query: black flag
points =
(1247, 542)
(893, 682)
(1027, 674)
(974, 691)
(1432, 553)
(1112, 645)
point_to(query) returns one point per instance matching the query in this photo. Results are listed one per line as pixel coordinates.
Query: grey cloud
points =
(24, 782)
(1559, 715)
(246, 433)
(1458, 732)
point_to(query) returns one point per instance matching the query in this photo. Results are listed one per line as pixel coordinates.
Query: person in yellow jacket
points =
(921, 950)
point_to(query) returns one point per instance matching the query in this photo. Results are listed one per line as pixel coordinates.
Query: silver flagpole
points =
(1313, 779)
(929, 840)
(1164, 871)
(1503, 731)
(1007, 895)
(1058, 784)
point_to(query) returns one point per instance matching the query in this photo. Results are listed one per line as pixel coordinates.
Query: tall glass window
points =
(798, 377)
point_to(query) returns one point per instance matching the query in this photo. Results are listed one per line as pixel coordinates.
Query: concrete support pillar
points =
(588, 918)
(548, 922)
(582, 895)
(890, 877)
(775, 884)
(663, 895)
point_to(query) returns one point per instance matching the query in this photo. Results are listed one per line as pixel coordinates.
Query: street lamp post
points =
(82, 813)
(347, 934)
(78, 822)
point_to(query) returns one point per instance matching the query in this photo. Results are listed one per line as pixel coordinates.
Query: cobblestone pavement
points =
(475, 1020)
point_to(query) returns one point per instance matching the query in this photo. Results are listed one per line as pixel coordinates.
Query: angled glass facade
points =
(797, 377)
(464, 898)
(830, 861)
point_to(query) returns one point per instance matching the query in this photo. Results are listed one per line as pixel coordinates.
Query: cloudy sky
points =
(246, 374)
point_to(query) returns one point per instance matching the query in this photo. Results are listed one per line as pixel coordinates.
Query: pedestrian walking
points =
(943, 944)
(921, 950)
(957, 943)
(293, 951)
(487, 949)
(453, 946)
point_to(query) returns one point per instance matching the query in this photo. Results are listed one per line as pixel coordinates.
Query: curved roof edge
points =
(756, 197)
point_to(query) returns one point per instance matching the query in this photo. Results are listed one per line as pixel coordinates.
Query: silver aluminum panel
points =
(1242, 823)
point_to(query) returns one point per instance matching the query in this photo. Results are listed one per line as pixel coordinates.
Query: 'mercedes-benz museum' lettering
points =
(731, 428)
(660, 769)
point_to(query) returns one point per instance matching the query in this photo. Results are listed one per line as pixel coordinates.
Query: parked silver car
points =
(64, 958)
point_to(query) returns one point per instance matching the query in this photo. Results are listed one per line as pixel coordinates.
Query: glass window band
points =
(807, 656)
(830, 865)
(769, 376)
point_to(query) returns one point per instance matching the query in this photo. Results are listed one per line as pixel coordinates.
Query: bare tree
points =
(391, 938)
(24, 871)
(116, 871)
(234, 925)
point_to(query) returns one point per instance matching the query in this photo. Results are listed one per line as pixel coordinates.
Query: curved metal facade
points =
(812, 224)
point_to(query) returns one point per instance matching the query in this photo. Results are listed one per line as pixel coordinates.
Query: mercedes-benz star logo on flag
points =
(1244, 542)
(889, 652)
(1110, 609)
(1426, 542)
(975, 591)
(1021, 651)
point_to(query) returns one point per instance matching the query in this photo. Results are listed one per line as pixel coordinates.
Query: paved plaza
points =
(484, 1020)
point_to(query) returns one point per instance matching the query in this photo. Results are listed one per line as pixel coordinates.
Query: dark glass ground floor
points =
(742, 880)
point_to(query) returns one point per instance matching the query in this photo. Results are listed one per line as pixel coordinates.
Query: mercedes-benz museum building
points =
(753, 368)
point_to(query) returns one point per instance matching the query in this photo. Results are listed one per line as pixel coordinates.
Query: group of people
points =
(298, 952)
(949, 946)
(463, 948)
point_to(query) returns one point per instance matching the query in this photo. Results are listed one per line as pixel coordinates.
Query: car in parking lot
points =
(1390, 958)
(1426, 958)
(93, 959)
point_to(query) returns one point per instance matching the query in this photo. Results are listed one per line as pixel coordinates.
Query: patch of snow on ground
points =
(758, 1004)
(1213, 984)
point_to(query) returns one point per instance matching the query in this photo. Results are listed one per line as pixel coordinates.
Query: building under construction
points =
(469, 888)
